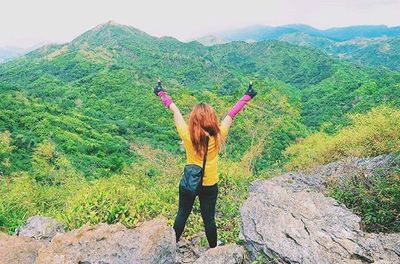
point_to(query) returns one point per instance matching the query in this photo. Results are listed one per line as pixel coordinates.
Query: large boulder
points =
(19, 250)
(152, 242)
(229, 254)
(40, 228)
(288, 219)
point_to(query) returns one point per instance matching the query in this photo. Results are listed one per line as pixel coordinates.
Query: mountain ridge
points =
(373, 46)
(263, 32)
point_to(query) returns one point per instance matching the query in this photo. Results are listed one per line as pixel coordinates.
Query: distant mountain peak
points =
(112, 31)
(112, 22)
(107, 25)
(211, 40)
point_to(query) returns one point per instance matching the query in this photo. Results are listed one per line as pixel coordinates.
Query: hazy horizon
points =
(30, 23)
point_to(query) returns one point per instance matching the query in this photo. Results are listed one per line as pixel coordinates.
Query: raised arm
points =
(168, 103)
(228, 120)
(178, 118)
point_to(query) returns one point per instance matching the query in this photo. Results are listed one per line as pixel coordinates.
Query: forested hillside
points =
(260, 32)
(376, 46)
(374, 52)
(80, 120)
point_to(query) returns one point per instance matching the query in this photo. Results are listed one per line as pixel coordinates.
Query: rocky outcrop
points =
(288, 219)
(152, 242)
(191, 251)
(42, 240)
(19, 250)
(24, 248)
(40, 228)
(229, 254)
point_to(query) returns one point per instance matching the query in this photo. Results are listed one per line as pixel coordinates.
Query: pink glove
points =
(250, 93)
(239, 106)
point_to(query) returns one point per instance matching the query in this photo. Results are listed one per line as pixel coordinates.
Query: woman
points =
(203, 123)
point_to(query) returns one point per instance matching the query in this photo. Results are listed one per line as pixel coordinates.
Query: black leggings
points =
(208, 198)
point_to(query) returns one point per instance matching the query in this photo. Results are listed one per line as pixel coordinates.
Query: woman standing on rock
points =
(202, 139)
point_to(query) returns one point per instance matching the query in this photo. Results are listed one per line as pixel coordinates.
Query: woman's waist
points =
(210, 180)
(211, 169)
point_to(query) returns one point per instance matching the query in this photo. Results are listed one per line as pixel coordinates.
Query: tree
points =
(50, 166)
(5, 152)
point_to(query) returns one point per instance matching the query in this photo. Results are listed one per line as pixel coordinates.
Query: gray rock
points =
(188, 251)
(152, 242)
(18, 250)
(288, 219)
(229, 254)
(40, 228)
(317, 178)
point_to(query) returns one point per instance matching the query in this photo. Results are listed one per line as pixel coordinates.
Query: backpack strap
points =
(204, 161)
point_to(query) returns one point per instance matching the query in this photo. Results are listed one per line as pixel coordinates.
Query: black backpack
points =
(192, 178)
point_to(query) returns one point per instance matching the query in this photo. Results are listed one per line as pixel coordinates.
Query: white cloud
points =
(26, 22)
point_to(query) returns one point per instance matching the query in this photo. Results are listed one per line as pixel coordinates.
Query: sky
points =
(25, 23)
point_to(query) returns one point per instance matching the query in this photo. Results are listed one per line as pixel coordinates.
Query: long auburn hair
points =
(202, 121)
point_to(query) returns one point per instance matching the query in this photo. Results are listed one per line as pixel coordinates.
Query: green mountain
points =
(260, 32)
(367, 45)
(211, 40)
(374, 52)
(93, 96)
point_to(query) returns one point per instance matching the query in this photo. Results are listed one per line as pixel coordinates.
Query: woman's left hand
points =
(250, 91)
(158, 88)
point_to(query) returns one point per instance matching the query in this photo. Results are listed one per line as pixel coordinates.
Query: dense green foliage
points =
(376, 199)
(83, 138)
(368, 135)
(142, 191)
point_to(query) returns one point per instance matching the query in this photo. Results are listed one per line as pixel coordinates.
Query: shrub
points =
(371, 134)
(104, 201)
(5, 150)
(376, 199)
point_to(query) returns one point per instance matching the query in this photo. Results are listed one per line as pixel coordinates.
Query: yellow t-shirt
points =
(211, 172)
